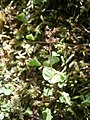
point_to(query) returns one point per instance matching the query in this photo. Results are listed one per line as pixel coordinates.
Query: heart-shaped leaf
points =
(52, 76)
(47, 114)
(48, 72)
(34, 62)
(30, 37)
(54, 60)
(65, 98)
(21, 17)
(55, 53)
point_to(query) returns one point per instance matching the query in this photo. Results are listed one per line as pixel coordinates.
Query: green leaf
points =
(1, 116)
(48, 92)
(7, 91)
(62, 84)
(6, 106)
(86, 100)
(55, 60)
(21, 17)
(46, 63)
(52, 76)
(28, 111)
(55, 78)
(1, 91)
(47, 114)
(48, 72)
(34, 62)
(55, 53)
(30, 37)
(64, 98)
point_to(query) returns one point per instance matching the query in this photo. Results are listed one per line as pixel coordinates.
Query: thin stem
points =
(50, 54)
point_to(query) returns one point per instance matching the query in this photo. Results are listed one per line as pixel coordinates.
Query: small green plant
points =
(34, 62)
(53, 76)
(47, 114)
(44, 60)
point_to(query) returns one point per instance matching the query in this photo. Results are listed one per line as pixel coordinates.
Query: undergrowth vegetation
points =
(44, 60)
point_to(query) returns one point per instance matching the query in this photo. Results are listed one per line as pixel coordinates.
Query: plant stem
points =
(50, 54)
